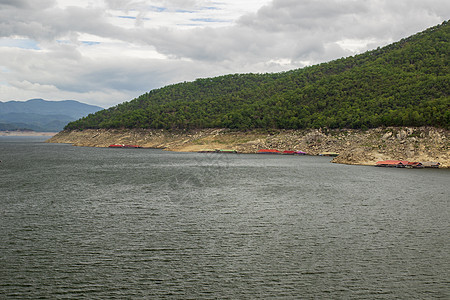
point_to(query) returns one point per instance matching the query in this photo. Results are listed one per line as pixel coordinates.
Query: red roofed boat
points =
(414, 164)
(392, 163)
(289, 152)
(268, 151)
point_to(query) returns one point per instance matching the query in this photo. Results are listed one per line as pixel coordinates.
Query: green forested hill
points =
(403, 84)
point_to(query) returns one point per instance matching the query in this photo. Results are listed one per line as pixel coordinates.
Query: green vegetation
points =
(403, 84)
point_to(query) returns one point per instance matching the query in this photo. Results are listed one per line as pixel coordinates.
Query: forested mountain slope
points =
(42, 115)
(406, 83)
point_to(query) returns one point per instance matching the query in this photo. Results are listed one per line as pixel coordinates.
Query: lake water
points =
(99, 223)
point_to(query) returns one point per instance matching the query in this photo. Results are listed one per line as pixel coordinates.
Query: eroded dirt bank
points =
(354, 146)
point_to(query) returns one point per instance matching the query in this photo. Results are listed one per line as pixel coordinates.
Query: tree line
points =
(403, 84)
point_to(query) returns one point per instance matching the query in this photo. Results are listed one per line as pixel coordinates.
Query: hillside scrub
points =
(403, 84)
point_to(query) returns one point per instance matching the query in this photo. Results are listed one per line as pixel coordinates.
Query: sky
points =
(105, 52)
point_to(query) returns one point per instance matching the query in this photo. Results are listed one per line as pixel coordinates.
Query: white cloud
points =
(110, 51)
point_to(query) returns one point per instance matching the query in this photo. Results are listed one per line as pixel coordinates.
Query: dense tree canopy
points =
(403, 84)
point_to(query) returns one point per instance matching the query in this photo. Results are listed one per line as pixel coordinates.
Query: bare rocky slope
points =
(354, 146)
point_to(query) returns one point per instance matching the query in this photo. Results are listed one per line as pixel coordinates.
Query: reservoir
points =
(102, 223)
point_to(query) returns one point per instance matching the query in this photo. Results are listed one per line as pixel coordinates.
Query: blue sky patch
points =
(19, 43)
(210, 8)
(90, 43)
(183, 11)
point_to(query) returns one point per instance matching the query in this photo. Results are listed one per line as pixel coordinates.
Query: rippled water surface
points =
(137, 223)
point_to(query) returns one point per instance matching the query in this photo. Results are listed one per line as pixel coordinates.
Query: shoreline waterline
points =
(355, 147)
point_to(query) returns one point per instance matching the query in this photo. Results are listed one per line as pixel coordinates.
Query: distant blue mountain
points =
(42, 115)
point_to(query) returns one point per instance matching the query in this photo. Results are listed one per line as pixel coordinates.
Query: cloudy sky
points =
(105, 52)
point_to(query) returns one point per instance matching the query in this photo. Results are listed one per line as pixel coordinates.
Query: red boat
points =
(392, 163)
(289, 152)
(268, 151)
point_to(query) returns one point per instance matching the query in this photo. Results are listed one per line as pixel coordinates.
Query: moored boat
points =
(431, 164)
(300, 153)
(123, 146)
(228, 151)
(268, 151)
(289, 152)
(392, 163)
(333, 154)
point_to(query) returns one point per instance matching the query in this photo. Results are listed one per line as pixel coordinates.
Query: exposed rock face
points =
(354, 146)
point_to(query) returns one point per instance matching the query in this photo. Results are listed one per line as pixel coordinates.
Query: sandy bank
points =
(354, 146)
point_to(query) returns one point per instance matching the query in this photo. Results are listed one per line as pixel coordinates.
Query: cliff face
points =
(354, 146)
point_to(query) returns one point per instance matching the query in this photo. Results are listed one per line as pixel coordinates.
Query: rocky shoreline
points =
(357, 147)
